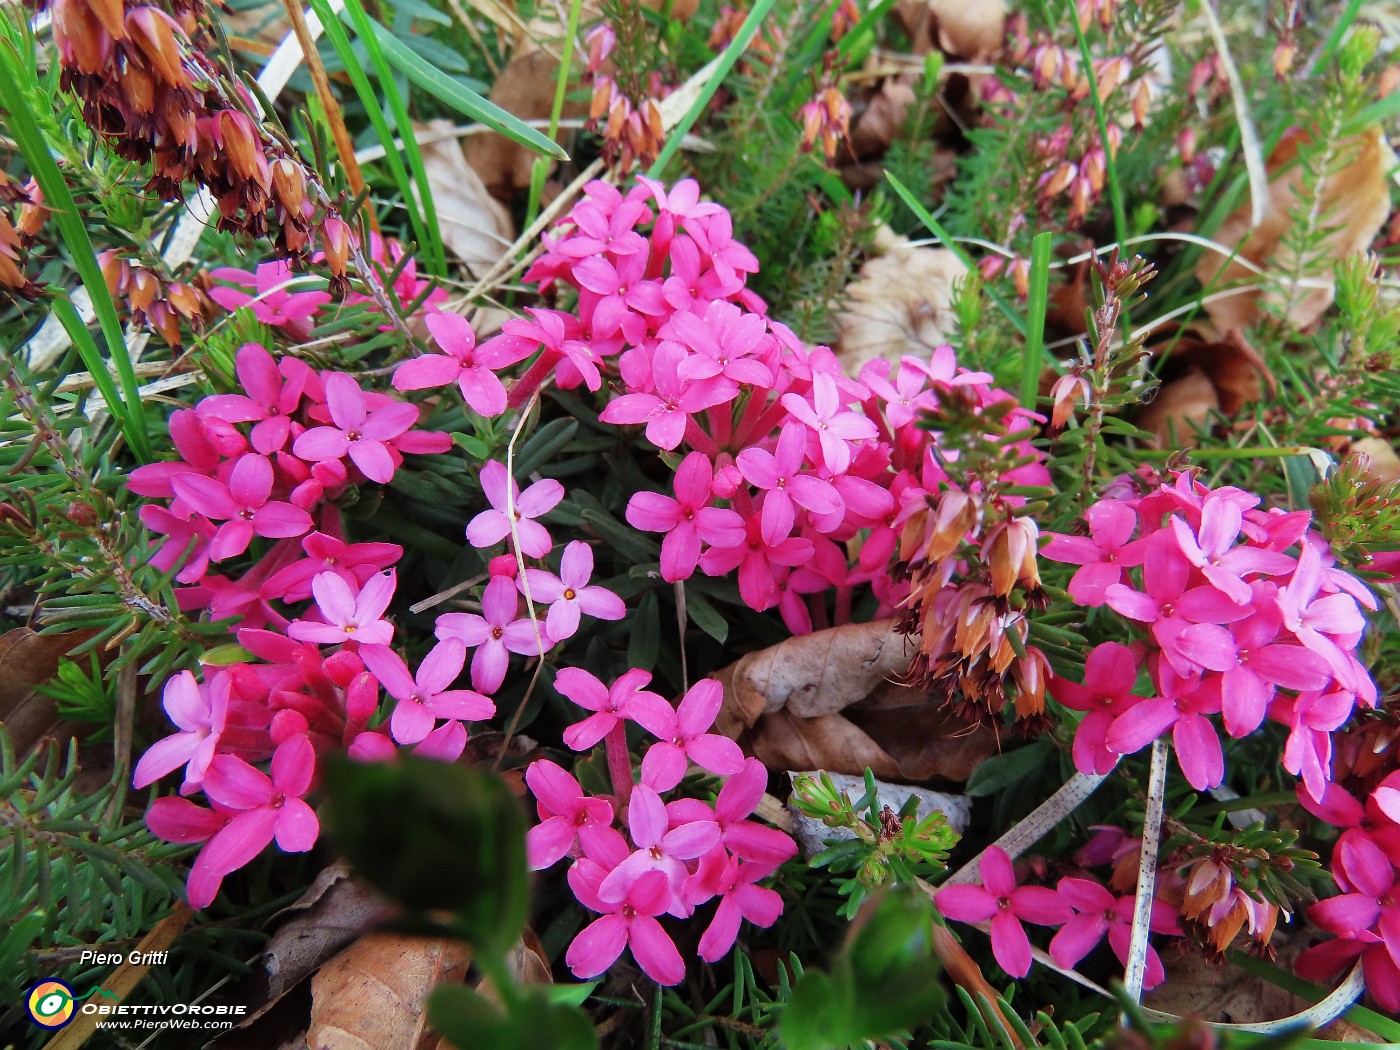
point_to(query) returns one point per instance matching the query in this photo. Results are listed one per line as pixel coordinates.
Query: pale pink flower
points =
(495, 634)
(473, 368)
(683, 736)
(355, 431)
(609, 704)
(660, 846)
(348, 614)
(200, 711)
(352, 562)
(492, 526)
(569, 594)
(425, 696)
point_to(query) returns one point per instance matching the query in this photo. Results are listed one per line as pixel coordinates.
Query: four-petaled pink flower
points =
(271, 302)
(569, 593)
(629, 923)
(1102, 555)
(674, 400)
(566, 812)
(425, 697)
(495, 634)
(471, 367)
(1213, 550)
(262, 808)
(688, 520)
(243, 505)
(356, 431)
(200, 711)
(1100, 912)
(273, 393)
(1183, 708)
(352, 562)
(780, 475)
(1107, 692)
(609, 704)
(835, 425)
(683, 736)
(1007, 906)
(732, 881)
(660, 846)
(348, 615)
(492, 526)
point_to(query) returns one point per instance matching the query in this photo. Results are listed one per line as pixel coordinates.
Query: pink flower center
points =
(1004, 903)
(352, 435)
(497, 632)
(569, 594)
(350, 628)
(655, 852)
(246, 514)
(278, 800)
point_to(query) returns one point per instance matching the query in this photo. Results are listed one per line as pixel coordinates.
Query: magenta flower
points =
(265, 291)
(1387, 798)
(1314, 621)
(660, 847)
(1007, 905)
(495, 634)
(683, 737)
(273, 393)
(1107, 693)
(1182, 708)
(732, 881)
(609, 704)
(629, 923)
(348, 614)
(674, 400)
(622, 288)
(569, 594)
(785, 486)
(352, 562)
(738, 798)
(473, 368)
(199, 454)
(356, 431)
(200, 711)
(906, 397)
(1374, 903)
(263, 808)
(723, 341)
(600, 230)
(566, 812)
(835, 425)
(688, 520)
(425, 697)
(1311, 719)
(492, 526)
(1254, 663)
(755, 559)
(1100, 912)
(1102, 555)
(1214, 553)
(243, 505)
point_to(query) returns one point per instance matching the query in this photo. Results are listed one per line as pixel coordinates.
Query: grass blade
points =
(1035, 318)
(451, 93)
(23, 126)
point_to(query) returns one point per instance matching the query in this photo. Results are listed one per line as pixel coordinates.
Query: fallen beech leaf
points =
(826, 701)
(969, 29)
(900, 304)
(475, 227)
(1200, 378)
(29, 659)
(882, 119)
(1353, 204)
(1383, 464)
(373, 994)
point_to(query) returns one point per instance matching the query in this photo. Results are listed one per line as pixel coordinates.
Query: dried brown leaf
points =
(29, 659)
(373, 994)
(901, 303)
(1352, 205)
(969, 29)
(475, 227)
(827, 701)
(1203, 377)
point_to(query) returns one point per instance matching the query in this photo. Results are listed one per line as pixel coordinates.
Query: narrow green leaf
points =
(1035, 318)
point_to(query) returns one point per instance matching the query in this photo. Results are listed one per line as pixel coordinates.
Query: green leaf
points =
(468, 1019)
(705, 616)
(1001, 771)
(645, 643)
(451, 92)
(436, 836)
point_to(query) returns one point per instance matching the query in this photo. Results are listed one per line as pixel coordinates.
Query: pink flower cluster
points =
(786, 459)
(1235, 626)
(1084, 910)
(675, 856)
(1246, 617)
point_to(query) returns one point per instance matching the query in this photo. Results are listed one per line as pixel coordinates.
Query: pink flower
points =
(688, 520)
(835, 426)
(243, 505)
(682, 736)
(1378, 966)
(201, 712)
(723, 341)
(1007, 906)
(271, 302)
(659, 847)
(273, 393)
(675, 399)
(1317, 622)
(719, 875)
(755, 559)
(569, 593)
(262, 807)
(1102, 555)
(629, 923)
(1107, 693)
(1182, 708)
(473, 368)
(907, 396)
(1100, 912)
(622, 288)
(424, 697)
(566, 812)
(348, 615)
(746, 839)
(1214, 553)
(1374, 903)
(1311, 719)
(784, 484)
(609, 704)
(601, 231)
(352, 562)
(199, 454)
(356, 431)
(492, 526)
(495, 634)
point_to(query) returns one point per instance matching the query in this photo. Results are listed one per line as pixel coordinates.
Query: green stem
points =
(540, 168)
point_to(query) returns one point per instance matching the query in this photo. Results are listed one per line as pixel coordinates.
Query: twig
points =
(1147, 871)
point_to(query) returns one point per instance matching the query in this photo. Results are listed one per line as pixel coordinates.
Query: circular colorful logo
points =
(50, 1004)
